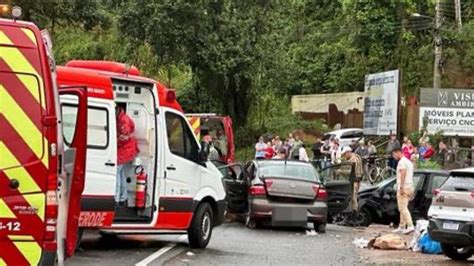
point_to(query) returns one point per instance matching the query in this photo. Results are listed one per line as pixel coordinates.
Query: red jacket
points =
(127, 148)
(428, 153)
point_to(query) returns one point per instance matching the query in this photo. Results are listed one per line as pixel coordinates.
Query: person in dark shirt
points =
(317, 155)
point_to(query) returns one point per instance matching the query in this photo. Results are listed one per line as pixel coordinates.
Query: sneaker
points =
(397, 231)
(410, 229)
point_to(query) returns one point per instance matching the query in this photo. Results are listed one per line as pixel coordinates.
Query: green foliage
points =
(247, 58)
(428, 164)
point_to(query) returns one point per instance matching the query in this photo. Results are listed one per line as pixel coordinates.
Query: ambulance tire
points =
(200, 231)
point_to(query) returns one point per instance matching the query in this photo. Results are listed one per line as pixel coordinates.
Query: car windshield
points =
(297, 171)
(459, 182)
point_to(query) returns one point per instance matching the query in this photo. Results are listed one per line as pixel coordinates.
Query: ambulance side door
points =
(182, 172)
(97, 203)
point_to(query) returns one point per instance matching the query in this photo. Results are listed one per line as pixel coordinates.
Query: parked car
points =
(345, 136)
(452, 215)
(277, 193)
(378, 204)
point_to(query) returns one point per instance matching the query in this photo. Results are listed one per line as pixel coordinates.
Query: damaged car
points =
(277, 193)
(378, 204)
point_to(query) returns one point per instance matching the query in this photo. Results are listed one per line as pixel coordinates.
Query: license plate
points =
(450, 226)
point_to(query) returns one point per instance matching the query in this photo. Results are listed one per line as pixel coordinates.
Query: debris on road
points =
(189, 253)
(311, 233)
(389, 241)
(421, 227)
(360, 242)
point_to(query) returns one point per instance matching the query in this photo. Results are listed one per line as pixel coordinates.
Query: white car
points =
(452, 215)
(345, 136)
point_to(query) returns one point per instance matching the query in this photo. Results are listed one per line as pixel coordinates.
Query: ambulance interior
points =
(138, 101)
(213, 127)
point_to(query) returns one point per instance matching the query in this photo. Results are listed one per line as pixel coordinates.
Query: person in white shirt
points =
(405, 190)
(303, 155)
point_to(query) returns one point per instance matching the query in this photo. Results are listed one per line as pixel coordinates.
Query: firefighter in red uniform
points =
(127, 150)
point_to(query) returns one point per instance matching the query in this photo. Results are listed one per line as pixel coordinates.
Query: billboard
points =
(381, 103)
(447, 110)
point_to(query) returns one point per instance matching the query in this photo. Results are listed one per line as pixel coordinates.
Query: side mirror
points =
(204, 151)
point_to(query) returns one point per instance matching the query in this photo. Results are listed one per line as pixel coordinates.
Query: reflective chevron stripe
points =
(23, 125)
(196, 125)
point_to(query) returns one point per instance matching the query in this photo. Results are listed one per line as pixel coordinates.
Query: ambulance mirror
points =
(204, 152)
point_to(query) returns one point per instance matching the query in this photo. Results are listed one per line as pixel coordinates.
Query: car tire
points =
(364, 217)
(320, 228)
(455, 253)
(200, 231)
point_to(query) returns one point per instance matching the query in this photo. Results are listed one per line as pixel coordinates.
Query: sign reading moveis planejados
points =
(381, 103)
(447, 110)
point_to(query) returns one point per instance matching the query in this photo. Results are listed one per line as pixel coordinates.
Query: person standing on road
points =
(392, 144)
(405, 190)
(302, 154)
(296, 148)
(326, 153)
(356, 173)
(127, 150)
(317, 155)
(260, 148)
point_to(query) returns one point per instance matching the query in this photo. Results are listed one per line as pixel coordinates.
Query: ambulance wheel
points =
(200, 231)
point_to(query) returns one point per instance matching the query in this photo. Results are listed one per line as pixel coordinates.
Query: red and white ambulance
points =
(172, 187)
(41, 180)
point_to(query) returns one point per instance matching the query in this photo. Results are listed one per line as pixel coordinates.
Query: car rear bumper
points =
(264, 209)
(463, 237)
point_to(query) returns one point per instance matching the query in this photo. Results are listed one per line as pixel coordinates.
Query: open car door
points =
(337, 181)
(236, 187)
(75, 164)
(227, 121)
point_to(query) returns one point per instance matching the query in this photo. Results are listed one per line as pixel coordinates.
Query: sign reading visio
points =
(447, 110)
(381, 103)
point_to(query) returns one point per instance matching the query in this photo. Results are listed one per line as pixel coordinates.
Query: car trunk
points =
(287, 189)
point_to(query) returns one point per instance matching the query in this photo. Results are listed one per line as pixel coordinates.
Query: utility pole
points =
(457, 6)
(437, 46)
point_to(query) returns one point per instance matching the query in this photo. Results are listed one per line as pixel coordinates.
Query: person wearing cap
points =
(357, 174)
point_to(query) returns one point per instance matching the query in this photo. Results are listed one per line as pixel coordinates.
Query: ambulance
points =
(172, 188)
(41, 179)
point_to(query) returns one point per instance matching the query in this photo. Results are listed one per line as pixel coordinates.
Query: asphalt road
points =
(231, 244)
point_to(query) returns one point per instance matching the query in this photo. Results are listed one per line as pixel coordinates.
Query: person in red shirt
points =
(429, 152)
(127, 150)
(269, 151)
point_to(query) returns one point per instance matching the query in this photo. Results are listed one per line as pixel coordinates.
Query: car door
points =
(236, 186)
(75, 166)
(337, 181)
(420, 183)
(182, 172)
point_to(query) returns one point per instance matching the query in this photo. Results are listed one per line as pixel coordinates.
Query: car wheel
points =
(364, 217)
(200, 231)
(456, 253)
(320, 228)
(249, 221)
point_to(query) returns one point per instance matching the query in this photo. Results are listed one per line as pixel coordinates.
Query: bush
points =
(428, 164)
